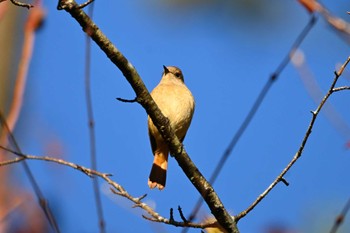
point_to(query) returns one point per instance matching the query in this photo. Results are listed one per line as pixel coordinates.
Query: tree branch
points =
(254, 109)
(301, 148)
(341, 88)
(18, 3)
(161, 122)
(91, 126)
(340, 218)
(116, 188)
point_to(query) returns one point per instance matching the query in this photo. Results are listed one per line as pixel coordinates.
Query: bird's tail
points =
(157, 177)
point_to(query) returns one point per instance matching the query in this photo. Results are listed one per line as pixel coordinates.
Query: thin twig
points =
(315, 91)
(341, 88)
(340, 218)
(301, 148)
(21, 4)
(85, 4)
(126, 100)
(22, 157)
(182, 224)
(254, 109)
(284, 181)
(161, 122)
(171, 218)
(181, 214)
(116, 188)
(91, 125)
(11, 161)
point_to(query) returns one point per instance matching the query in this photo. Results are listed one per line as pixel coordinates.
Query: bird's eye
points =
(177, 74)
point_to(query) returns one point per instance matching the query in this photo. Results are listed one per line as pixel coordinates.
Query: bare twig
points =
(171, 218)
(91, 125)
(21, 4)
(126, 100)
(254, 109)
(18, 3)
(85, 4)
(162, 123)
(116, 188)
(181, 214)
(301, 148)
(182, 224)
(11, 161)
(284, 181)
(22, 157)
(315, 91)
(340, 218)
(341, 88)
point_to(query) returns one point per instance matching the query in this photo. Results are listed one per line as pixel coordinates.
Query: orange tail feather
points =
(157, 176)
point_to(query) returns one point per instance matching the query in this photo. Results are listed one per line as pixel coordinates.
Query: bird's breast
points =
(177, 104)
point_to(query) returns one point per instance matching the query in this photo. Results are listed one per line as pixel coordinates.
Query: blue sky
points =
(227, 52)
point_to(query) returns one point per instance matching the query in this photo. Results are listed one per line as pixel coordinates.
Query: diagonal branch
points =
(116, 188)
(161, 122)
(340, 218)
(301, 148)
(91, 125)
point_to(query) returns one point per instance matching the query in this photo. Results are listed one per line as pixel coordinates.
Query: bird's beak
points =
(165, 69)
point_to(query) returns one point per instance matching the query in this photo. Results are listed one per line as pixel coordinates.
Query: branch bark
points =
(161, 122)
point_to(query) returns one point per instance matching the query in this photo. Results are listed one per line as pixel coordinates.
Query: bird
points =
(177, 103)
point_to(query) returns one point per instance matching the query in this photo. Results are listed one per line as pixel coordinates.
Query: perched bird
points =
(176, 103)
